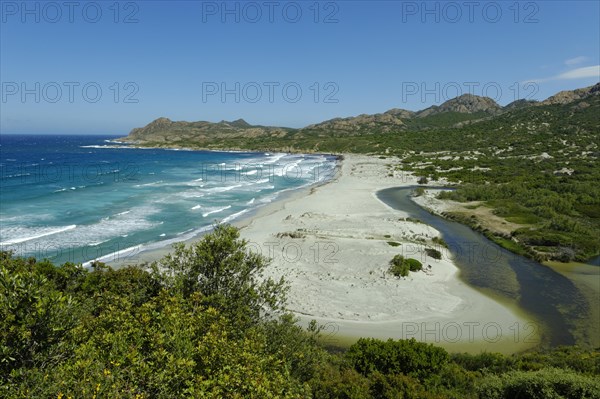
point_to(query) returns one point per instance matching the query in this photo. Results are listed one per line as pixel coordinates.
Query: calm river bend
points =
(549, 297)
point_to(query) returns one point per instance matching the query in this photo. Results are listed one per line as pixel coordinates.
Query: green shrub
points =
(408, 357)
(336, 381)
(414, 265)
(400, 266)
(392, 386)
(548, 383)
(434, 253)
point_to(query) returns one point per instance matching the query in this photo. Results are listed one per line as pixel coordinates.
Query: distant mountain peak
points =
(161, 121)
(464, 104)
(240, 123)
(470, 103)
(521, 103)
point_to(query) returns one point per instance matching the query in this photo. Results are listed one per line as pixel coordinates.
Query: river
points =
(549, 297)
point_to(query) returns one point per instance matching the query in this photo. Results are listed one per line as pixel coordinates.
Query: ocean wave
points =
(215, 210)
(24, 234)
(196, 183)
(234, 216)
(16, 175)
(105, 229)
(222, 189)
(4, 220)
(190, 194)
(268, 199)
(95, 244)
(274, 158)
(154, 183)
(130, 253)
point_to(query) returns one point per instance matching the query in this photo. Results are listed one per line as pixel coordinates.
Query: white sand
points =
(337, 268)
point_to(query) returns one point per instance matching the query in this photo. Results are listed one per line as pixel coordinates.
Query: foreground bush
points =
(548, 383)
(204, 324)
(408, 357)
(198, 327)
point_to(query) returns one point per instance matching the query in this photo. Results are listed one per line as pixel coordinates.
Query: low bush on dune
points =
(433, 253)
(401, 266)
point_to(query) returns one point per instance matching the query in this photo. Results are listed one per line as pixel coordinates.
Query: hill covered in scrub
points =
(454, 113)
(164, 130)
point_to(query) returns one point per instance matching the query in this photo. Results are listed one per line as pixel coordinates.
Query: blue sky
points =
(104, 67)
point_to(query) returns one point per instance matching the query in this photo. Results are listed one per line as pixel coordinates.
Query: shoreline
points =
(330, 242)
(151, 254)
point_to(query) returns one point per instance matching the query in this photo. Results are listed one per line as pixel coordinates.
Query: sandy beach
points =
(332, 247)
(330, 243)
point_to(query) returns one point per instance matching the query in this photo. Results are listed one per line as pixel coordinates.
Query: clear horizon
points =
(106, 68)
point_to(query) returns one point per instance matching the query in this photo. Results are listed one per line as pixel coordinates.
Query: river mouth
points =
(552, 300)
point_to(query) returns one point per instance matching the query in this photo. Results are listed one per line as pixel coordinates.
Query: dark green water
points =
(549, 297)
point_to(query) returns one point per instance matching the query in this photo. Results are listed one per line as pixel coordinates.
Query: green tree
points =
(226, 273)
(34, 317)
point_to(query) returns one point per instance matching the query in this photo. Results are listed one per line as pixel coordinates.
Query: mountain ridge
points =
(453, 113)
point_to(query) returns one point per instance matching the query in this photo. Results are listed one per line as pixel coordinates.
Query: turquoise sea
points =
(81, 198)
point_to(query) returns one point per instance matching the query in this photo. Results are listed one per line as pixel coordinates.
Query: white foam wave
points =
(274, 158)
(95, 244)
(36, 233)
(154, 183)
(234, 216)
(222, 189)
(131, 253)
(215, 210)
